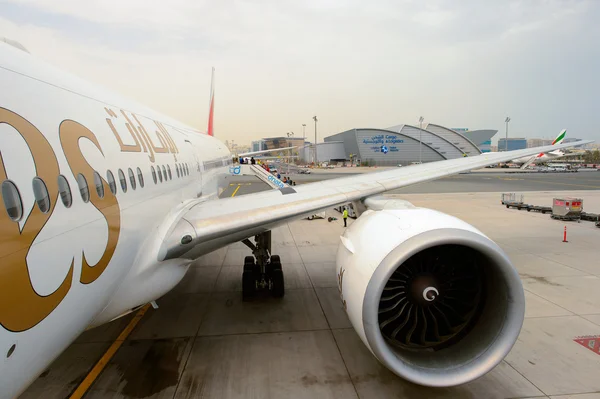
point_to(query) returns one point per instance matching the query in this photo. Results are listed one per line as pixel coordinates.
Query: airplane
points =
(543, 156)
(106, 203)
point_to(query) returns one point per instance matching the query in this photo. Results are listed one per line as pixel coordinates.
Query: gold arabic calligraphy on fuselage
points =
(21, 307)
(141, 138)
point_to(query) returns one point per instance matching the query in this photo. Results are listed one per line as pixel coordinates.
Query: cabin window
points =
(187, 170)
(153, 174)
(169, 170)
(164, 172)
(140, 177)
(132, 178)
(83, 188)
(99, 185)
(123, 181)
(111, 182)
(40, 192)
(177, 169)
(65, 191)
(12, 200)
(159, 173)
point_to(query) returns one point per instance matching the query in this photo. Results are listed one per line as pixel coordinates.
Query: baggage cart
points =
(567, 208)
(592, 217)
(537, 208)
(512, 198)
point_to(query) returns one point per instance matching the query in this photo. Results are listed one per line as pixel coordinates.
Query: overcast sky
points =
(351, 63)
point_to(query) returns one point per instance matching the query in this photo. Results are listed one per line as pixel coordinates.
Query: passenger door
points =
(195, 169)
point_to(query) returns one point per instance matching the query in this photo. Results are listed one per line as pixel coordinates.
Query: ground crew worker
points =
(345, 215)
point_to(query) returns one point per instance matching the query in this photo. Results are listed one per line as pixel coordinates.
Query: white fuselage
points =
(539, 158)
(79, 266)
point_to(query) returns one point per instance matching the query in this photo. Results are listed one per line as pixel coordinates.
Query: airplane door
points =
(195, 170)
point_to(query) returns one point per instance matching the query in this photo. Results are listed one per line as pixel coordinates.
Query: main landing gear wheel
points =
(263, 271)
(275, 273)
(277, 283)
(249, 278)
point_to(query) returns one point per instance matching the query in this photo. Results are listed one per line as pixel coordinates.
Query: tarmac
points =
(492, 181)
(203, 341)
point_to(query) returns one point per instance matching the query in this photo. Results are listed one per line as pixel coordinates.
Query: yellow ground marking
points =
(98, 367)
(236, 190)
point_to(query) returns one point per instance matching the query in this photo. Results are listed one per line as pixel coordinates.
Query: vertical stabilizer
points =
(561, 136)
(211, 108)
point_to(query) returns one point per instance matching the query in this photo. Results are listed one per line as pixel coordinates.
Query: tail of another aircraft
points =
(558, 140)
(561, 136)
(211, 109)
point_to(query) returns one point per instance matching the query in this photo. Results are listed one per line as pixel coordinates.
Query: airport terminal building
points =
(399, 145)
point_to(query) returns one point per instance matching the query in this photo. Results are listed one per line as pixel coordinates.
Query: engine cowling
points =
(433, 298)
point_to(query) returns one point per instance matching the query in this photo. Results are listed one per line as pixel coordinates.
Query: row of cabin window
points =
(14, 205)
(212, 164)
(216, 163)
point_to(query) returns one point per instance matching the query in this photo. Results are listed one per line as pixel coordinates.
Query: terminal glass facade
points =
(513, 144)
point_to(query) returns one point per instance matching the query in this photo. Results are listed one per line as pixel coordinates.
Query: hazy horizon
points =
(353, 64)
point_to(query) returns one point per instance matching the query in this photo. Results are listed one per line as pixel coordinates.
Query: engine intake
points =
(434, 299)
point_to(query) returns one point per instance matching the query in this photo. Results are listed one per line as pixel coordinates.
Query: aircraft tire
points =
(248, 284)
(278, 287)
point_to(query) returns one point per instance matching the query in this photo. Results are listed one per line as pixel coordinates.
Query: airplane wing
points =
(250, 154)
(204, 226)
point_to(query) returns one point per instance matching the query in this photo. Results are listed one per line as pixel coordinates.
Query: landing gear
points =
(249, 278)
(262, 272)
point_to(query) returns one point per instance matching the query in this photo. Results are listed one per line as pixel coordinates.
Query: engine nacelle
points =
(433, 298)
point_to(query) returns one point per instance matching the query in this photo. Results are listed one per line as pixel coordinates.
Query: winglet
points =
(211, 109)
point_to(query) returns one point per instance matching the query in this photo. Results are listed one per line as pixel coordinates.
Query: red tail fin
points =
(211, 110)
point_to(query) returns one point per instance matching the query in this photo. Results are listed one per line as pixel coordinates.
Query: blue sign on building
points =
(383, 140)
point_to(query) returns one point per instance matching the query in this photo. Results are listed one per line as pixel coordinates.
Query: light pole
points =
(316, 159)
(290, 134)
(420, 129)
(506, 138)
(304, 142)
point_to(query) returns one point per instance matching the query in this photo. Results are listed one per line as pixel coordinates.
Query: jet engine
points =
(433, 298)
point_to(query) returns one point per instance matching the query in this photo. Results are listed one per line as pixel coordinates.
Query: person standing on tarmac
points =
(345, 215)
